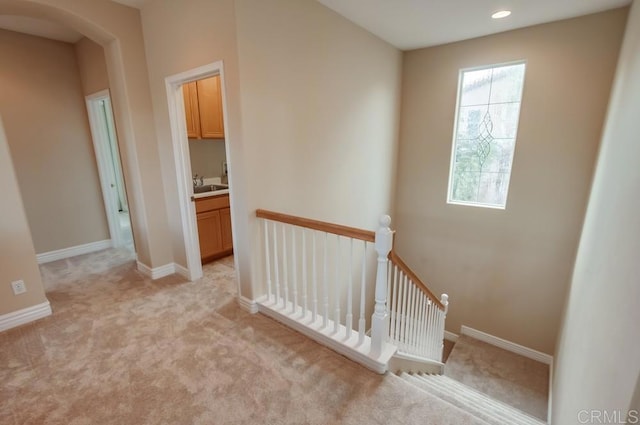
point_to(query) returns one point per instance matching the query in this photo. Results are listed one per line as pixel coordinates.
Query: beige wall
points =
(320, 111)
(598, 356)
(92, 65)
(170, 49)
(17, 254)
(507, 271)
(118, 29)
(48, 133)
(318, 98)
(207, 156)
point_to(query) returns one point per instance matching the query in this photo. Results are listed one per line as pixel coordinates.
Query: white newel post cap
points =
(384, 236)
(444, 299)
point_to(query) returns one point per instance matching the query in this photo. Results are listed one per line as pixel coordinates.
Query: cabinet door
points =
(209, 233)
(191, 110)
(210, 105)
(225, 223)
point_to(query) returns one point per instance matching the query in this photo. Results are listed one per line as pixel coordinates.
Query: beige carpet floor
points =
(122, 349)
(507, 377)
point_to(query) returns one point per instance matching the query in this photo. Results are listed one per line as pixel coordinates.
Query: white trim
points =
(550, 400)
(250, 306)
(182, 271)
(183, 165)
(60, 254)
(507, 345)
(24, 316)
(450, 336)
(156, 272)
(337, 341)
(405, 362)
(182, 162)
(110, 180)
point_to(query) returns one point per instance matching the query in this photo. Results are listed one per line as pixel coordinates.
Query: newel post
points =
(380, 318)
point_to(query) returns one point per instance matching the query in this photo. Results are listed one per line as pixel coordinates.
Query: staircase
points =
(325, 281)
(491, 411)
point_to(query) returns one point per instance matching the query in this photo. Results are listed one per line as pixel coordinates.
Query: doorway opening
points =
(105, 143)
(205, 188)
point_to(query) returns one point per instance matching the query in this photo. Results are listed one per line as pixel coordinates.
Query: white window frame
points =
(455, 134)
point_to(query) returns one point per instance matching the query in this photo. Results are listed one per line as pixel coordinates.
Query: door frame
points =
(102, 149)
(182, 161)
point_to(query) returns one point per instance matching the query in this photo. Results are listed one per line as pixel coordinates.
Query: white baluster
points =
(285, 268)
(276, 262)
(267, 259)
(349, 316)
(403, 324)
(380, 318)
(393, 304)
(412, 314)
(423, 311)
(336, 297)
(415, 316)
(399, 306)
(361, 322)
(325, 287)
(304, 275)
(294, 261)
(314, 277)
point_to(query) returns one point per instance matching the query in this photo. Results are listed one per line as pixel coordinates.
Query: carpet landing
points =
(122, 349)
(502, 375)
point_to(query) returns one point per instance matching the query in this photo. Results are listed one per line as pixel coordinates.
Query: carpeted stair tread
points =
(476, 407)
(489, 410)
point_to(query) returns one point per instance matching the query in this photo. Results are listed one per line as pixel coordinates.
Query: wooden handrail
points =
(393, 257)
(336, 229)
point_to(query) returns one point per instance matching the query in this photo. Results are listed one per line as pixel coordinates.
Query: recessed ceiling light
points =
(501, 14)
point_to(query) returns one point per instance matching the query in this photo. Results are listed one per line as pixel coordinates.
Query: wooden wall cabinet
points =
(214, 227)
(203, 108)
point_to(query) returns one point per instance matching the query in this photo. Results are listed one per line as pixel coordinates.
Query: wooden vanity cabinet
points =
(203, 108)
(214, 227)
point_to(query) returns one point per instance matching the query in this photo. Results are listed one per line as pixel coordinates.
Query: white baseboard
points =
(156, 272)
(507, 345)
(24, 316)
(60, 254)
(450, 336)
(182, 271)
(248, 305)
(324, 334)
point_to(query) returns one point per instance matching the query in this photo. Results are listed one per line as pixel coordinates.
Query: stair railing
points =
(317, 272)
(417, 316)
(316, 281)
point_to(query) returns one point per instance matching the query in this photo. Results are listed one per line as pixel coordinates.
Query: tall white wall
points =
(598, 356)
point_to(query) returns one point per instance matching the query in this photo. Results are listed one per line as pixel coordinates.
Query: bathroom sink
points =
(209, 188)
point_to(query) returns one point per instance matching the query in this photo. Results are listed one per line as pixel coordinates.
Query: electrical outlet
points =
(19, 287)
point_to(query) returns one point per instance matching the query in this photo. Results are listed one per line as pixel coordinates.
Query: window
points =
(484, 138)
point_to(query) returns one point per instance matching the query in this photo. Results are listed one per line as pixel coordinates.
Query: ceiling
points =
(406, 24)
(411, 24)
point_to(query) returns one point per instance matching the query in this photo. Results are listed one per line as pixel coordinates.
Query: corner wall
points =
(92, 66)
(507, 271)
(47, 129)
(17, 254)
(313, 111)
(598, 358)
